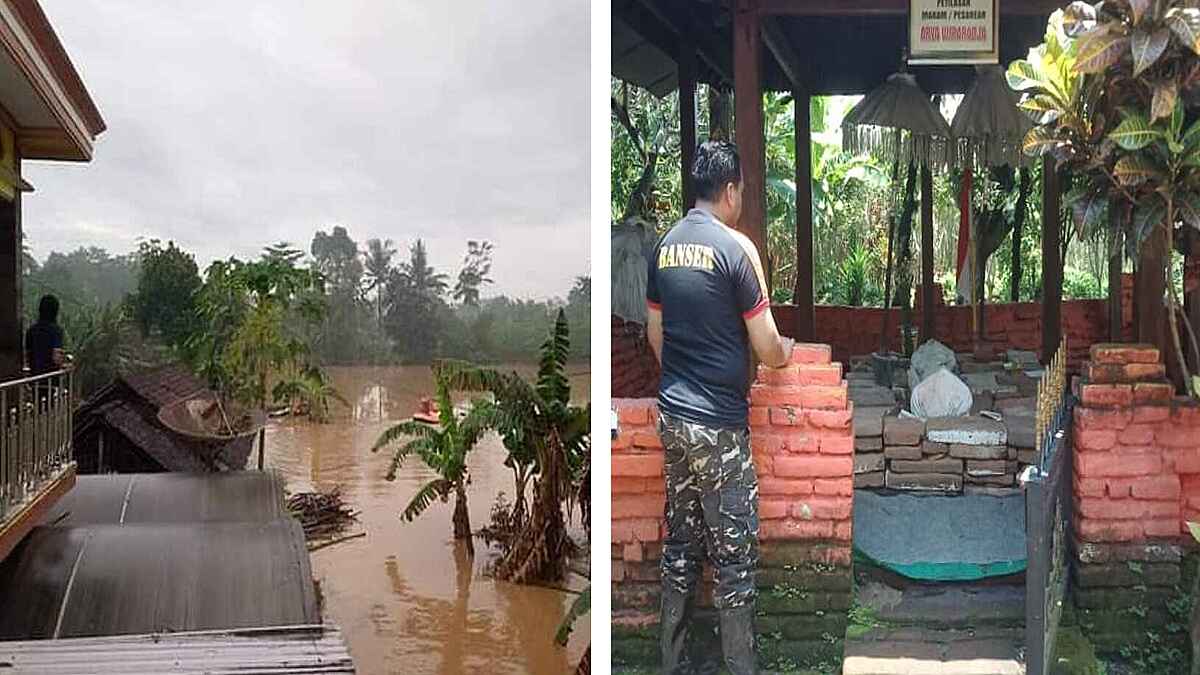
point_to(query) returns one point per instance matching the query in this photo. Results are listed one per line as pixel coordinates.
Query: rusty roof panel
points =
(290, 649)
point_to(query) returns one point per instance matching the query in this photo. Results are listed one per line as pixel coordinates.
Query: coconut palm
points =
(537, 417)
(378, 263)
(443, 448)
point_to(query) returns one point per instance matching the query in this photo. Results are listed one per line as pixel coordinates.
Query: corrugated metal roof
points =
(290, 649)
(132, 579)
(236, 496)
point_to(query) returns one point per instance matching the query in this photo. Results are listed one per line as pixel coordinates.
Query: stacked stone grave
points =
(974, 454)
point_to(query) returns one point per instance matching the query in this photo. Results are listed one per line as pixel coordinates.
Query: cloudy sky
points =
(236, 123)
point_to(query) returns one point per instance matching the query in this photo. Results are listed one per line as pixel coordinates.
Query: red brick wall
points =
(634, 368)
(1137, 449)
(802, 440)
(854, 331)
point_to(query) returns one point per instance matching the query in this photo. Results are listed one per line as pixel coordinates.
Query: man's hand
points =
(788, 345)
(765, 339)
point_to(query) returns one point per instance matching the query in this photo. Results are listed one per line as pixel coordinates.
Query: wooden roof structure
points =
(128, 407)
(809, 48)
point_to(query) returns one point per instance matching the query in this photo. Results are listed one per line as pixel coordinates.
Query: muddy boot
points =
(674, 622)
(737, 640)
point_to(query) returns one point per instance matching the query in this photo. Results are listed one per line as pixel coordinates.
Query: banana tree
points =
(538, 418)
(1112, 89)
(444, 449)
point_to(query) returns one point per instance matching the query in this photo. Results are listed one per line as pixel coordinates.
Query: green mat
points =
(941, 538)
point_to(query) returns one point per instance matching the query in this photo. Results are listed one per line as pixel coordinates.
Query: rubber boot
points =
(674, 621)
(737, 640)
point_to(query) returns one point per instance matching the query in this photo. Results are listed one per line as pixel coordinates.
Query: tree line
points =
(339, 303)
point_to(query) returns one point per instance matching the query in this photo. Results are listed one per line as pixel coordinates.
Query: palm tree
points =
(312, 387)
(444, 449)
(378, 263)
(537, 417)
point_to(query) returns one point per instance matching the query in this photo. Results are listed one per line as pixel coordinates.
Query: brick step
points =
(930, 651)
(957, 606)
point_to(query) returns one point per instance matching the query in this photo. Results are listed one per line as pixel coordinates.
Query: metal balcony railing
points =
(35, 435)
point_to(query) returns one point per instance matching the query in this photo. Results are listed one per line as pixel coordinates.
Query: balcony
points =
(36, 464)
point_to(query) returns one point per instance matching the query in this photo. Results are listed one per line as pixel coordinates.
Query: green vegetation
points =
(286, 314)
(1113, 87)
(443, 448)
(853, 198)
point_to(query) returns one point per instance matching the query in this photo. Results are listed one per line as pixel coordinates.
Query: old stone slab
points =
(903, 452)
(867, 462)
(875, 396)
(1020, 430)
(947, 465)
(966, 431)
(868, 421)
(980, 382)
(1027, 456)
(903, 430)
(868, 480)
(978, 451)
(868, 444)
(990, 490)
(933, 482)
(987, 467)
(934, 449)
(1007, 479)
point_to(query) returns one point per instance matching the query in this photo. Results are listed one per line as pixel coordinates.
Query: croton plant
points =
(1115, 91)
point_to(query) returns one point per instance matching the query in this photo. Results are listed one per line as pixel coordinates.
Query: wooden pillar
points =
(1115, 321)
(748, 123)
(1052, 273)
(12, 331)
(687, 116)
(927, 308)
(805, 329)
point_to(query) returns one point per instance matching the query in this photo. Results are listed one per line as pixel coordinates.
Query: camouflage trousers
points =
(712, 508)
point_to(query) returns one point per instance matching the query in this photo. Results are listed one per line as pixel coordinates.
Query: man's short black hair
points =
(716, 165)
(48, 309)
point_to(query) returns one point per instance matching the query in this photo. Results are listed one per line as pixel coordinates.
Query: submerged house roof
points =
(128, 408)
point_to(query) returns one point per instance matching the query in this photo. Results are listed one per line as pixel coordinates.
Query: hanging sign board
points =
(944, 32)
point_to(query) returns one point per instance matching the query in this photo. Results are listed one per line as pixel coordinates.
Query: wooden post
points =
(687, 116)
(11, 324)
(262, 446)
(1052, 274)
(927, 308)
(805, 329)
(1115, 334)
(748, 124)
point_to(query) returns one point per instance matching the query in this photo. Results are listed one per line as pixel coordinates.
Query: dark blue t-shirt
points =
(704, 279)
(40, 342)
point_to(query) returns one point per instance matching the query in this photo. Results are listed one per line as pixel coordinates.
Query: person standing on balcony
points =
(708, 316)
(44, 339)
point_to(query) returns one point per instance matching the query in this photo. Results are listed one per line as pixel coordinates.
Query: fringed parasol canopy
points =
(898, 122)
(632, 244)
(989, 127)
(205, 417)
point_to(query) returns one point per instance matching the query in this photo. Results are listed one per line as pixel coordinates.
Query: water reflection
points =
(407, 597)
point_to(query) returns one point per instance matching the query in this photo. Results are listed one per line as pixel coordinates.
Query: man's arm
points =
(654, 332)
(771, 348)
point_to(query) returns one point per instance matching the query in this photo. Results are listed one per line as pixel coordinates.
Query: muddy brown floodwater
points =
(407, 597)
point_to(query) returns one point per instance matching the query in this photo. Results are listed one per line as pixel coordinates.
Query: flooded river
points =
(407, 597)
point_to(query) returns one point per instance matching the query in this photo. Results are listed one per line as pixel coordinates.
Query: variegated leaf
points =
(1148, 214)
(1100, 48)
(1134, 169)
(1185, 23)
(1042, 108)
(1191, 137)
(1134, 133)
(1078, 17)
(1039, 140)
(1148, 44)
(1189, 209)
(1023, 75)
(1088, 208)
(1138, 9)
(1162, 103)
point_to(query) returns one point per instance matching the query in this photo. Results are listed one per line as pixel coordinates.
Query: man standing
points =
(709, 314)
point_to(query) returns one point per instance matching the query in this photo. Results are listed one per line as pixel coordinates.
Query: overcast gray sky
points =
(237, 123)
